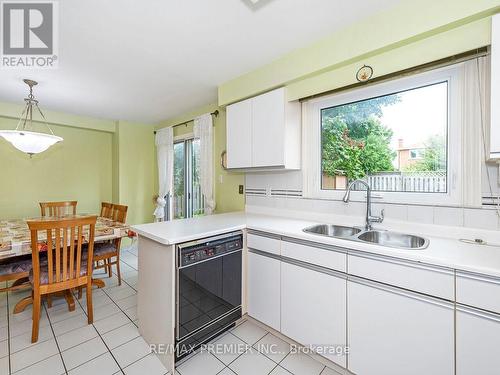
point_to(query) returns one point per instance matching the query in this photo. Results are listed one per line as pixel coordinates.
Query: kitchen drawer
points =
(324, 256)
(264, 242)
(422, 278)
(478, 291)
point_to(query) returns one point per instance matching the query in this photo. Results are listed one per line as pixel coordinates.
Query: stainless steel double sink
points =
(378, 237)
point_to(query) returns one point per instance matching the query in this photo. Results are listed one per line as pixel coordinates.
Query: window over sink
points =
(402, 136)
(396, 142)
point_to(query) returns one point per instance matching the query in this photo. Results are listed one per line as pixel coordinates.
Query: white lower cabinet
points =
(264, 289)
(478, 342)
(394, 332)
(313, 309)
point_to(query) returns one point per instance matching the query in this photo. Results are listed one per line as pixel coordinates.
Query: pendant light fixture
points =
(24, 138)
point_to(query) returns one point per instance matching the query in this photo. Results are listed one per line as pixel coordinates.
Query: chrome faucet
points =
(369, 218)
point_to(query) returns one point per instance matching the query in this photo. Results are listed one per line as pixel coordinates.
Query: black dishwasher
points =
(209, 285)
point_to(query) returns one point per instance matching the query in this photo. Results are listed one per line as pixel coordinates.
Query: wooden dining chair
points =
(58, 209)
(106, 251)
(66, 265)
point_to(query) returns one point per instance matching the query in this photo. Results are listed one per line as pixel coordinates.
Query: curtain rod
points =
(469, 55)
(214, 113)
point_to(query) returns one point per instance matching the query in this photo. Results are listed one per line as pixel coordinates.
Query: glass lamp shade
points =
(29, 142)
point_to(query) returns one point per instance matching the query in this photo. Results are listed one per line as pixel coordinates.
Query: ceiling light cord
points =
(28, 111)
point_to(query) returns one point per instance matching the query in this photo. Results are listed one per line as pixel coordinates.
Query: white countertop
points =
(183, 230)
(442, 251)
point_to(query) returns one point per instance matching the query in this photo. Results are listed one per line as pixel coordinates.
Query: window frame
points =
(312, 137)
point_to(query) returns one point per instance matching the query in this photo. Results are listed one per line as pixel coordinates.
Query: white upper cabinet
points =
(263, 132)
(239, 135)
(495, 88)
(268, 129)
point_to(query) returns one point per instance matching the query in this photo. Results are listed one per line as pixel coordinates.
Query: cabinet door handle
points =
(264, 253)
(479, 313)
(317, 245)
(401, 262)
(402, 292)
(263, 234)
(313, 267)
(478, 277)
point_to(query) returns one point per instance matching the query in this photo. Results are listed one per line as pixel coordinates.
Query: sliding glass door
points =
(187, 200)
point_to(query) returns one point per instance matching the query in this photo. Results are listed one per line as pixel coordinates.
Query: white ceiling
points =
(149, 60)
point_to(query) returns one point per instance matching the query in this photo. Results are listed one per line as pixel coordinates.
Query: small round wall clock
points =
(364, 73)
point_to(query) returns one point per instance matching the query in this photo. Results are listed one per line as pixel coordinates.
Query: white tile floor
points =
(112, 344)
(249, 349)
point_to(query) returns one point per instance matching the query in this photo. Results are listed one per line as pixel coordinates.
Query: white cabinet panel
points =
(323, 257)
(263, 289)
(313, 309)
(478, 342)
(393, 332)
(263, 243)
(479, 291)
(239, 134)
(435, 281)
(268, 129)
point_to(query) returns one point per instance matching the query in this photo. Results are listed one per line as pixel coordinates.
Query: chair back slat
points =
(90, 253)
(50, 253)
(78, 252)
(58, 254)
(72, 253)
(58, 209)
(64, 254)
(35, 259)
(65, 264)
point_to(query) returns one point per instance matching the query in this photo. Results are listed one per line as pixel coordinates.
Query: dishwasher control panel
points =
(210, 249)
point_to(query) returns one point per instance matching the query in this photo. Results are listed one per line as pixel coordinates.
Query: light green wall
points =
(135, 153)
(79, 168)
(413, 31)
(449, 43)
(226, 183)
(99, 160)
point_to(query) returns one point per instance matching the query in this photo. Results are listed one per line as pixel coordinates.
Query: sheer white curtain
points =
(203, 130)
(475, 75)
(165, 154)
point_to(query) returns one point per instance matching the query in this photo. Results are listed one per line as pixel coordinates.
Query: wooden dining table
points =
(15, 241)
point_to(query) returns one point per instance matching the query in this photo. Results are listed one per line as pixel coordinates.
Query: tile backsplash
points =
(288, 185)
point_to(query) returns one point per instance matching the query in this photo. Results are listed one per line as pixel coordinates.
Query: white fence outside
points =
(178, 201)
(416, 182)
